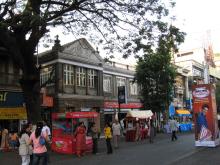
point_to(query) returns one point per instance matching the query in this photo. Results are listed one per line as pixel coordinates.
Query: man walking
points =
(116, 129)
(173, 127)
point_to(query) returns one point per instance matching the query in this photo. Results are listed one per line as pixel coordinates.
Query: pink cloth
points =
(38, 148)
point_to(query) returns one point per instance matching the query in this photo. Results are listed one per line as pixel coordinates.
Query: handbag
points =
(42, 141)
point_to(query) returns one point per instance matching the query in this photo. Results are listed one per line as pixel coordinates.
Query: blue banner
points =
(171, 110)
(11, 99)
(189, 104)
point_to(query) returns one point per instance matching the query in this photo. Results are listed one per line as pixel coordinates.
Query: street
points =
(162, 152)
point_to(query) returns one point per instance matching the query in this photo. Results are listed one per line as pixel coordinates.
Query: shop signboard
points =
(11, 105)
(115, 105)
(11, 99)
(205, 115)
(122, 96)
(13, 113)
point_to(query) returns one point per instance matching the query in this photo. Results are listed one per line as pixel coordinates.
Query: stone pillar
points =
(187, 87)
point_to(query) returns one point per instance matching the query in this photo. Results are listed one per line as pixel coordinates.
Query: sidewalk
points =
(12, 158)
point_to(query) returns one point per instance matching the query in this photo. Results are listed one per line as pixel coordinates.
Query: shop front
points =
(64, 126)
(12, 111)
(111, 108)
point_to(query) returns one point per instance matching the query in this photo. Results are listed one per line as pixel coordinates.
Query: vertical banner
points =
(205, 115)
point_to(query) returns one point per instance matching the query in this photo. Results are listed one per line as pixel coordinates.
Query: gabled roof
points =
(79, 50)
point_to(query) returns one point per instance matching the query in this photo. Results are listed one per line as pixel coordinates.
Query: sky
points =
(200, 20)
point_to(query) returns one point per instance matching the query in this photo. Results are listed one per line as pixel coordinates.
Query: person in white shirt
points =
(173, 127)
(116, 129)
(46, 129)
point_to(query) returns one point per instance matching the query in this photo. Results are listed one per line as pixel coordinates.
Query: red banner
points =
(72, 115)
(111, 104)
(205, 115)
(47, 101)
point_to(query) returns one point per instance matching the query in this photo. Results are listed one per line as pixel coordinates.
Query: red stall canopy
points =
(72, 115)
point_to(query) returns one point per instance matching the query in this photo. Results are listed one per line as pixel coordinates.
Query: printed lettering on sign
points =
(201, 92)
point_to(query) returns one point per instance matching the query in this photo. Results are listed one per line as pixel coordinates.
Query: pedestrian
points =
(80, 134)
(108, 137)
(4, 140)
(138, 131)
(46, 130)
(29, 132)
(25, 149)
(94, 134)
(116, 129)
(39, 140)
(13, 140)
(173, 128)
(151, 131)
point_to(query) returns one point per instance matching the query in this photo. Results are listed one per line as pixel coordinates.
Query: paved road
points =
(206, 156)
(162, 152)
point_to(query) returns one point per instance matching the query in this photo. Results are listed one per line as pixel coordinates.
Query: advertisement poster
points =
(205, 115)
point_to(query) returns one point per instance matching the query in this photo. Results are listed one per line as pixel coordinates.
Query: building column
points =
(87, 82)
(187, 87)
(75, 79)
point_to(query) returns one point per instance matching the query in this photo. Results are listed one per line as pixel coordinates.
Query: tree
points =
(155, 73)
(23, 23)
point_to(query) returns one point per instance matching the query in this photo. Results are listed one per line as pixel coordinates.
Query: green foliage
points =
(116, 24)
(155, 73)
(120, 25)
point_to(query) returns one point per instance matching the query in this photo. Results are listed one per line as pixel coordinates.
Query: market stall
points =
(63, 128)
(134, 119)
(184, 118)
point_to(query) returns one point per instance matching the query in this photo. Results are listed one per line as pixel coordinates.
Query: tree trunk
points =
(31, 90)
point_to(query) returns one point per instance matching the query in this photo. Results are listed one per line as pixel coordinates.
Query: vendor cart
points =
(140, 117)
(63, 128)
(184, 117)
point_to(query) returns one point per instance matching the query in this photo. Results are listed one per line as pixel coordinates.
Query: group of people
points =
(8, 140)
(80, 134)
(33, 143)
(112, 131)
(139, 130)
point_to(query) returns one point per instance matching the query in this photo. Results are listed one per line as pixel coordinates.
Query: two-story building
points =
(79, 80)
(76, 74)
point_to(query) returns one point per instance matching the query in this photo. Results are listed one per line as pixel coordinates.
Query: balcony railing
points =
(9, 79)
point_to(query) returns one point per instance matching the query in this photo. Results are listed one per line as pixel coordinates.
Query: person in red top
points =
(80, 139)
(39, 150)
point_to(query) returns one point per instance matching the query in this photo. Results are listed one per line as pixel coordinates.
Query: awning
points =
(183, 112)
(142, 114)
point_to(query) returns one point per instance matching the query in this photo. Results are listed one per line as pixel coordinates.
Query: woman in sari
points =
(4, 140)
(80, 139)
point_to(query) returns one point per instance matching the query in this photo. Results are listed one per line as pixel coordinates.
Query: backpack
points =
(42, 141)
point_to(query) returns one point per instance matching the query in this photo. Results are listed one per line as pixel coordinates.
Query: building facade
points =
(181, 89)
(12, 109)
(79, 80)
(115, 75)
